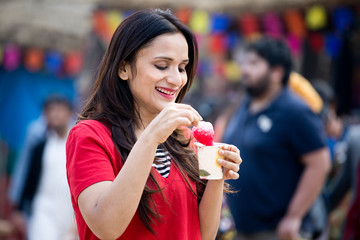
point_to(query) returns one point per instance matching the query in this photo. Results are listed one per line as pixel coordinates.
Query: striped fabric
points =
(162, 162)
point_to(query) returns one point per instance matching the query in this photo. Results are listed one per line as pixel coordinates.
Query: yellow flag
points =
(113, 19)
(199, 22)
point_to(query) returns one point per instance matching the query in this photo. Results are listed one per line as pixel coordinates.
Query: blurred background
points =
(54, 47)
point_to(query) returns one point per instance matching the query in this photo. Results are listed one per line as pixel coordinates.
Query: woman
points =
(131, 171)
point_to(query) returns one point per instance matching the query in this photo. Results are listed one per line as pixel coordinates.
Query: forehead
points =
(252, 55)
(173, 45)
(254, 58)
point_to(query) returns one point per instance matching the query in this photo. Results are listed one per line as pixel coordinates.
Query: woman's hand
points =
(231, 162)
(171, 117)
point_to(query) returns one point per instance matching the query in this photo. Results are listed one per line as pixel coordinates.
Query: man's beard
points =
(260, 88)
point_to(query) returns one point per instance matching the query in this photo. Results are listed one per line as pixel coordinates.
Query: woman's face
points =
(160, 73)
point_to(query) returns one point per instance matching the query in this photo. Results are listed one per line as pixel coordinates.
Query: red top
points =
(92, 157)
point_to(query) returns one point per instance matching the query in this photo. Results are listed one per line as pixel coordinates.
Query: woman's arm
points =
(108, 207)
(210, 204)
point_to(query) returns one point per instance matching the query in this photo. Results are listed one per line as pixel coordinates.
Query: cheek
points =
(184, 81)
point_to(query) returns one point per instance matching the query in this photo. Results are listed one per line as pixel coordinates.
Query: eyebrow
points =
(170, 59)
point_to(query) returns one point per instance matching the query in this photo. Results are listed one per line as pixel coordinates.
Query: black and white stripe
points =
(162, 162)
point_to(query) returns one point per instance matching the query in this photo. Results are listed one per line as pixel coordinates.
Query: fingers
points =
(188, 107)
(231, 153)
(232, 160)
(229, 165)
(231, 148)
(177, 110)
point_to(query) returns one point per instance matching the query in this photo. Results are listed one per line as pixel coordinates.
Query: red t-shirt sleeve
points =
(89, 159)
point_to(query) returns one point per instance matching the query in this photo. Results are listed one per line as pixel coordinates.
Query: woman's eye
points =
(181, 69)
(160, 67)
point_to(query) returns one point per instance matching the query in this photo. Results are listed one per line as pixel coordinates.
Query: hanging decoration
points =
(73, 63)
(1, 54)
(232, 71)
(343, 18)
(294, 22)
(199, 22)
(218, 43)
(295, 44)
(316, 18)
(332, 45)
(218, 34)
(220, 23)
(184, 14)
(34, 59)
(249, 25)
(100, 25)
(53, 62)
(316, 41)
(233, 40)
(11, 57)
(113, 19)
(272, 25)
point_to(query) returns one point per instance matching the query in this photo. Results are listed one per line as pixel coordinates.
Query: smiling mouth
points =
(164, 91)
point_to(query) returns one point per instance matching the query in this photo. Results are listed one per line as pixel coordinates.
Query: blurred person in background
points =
(41, 194)
(282, 140)
(343, 139)
(343, 186)
(306, 92)
(131, 169)
(352, 226)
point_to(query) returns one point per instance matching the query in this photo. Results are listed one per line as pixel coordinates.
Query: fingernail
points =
(219, 160)
(221, 152)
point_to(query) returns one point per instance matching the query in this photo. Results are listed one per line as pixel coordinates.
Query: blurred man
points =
(281, 141)
(44, 195)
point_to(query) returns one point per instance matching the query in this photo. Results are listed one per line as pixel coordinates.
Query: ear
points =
(278, 73)
(124, 71)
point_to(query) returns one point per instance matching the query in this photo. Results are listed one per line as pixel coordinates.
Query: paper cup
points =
(208, 166)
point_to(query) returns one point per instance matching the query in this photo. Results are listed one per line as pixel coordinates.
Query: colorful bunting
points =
(1, 54)
(220, 23)
(73, 63)
(332, 45)
(184, 14)
(218, 44)
(199, 22)
(113, 19)
(316, 41)
(53, 62)
(316, 18)
(343, 18)
(216, 33)
(12, 57)
(100, 25)
(232, 71)
(34, 59)
(272, 25)
(294, 22)
(249, 25)
(295, 44)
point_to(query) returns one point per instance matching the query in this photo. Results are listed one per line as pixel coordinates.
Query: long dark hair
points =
(112, 100)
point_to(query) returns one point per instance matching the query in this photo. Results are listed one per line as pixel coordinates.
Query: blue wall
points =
(21, 97)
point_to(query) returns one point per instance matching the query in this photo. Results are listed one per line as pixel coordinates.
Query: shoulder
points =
(292, 105)
(89, 131)
(88, 127)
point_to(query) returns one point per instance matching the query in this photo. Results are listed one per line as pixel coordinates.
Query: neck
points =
(61, 132)
(142, 123)
(260, 103)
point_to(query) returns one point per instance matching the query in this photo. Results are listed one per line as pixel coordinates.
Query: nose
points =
(176, 77)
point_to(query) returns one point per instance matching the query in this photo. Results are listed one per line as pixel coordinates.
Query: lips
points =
(166, 91)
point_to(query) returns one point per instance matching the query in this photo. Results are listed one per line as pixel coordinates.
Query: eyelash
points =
(164, 68)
